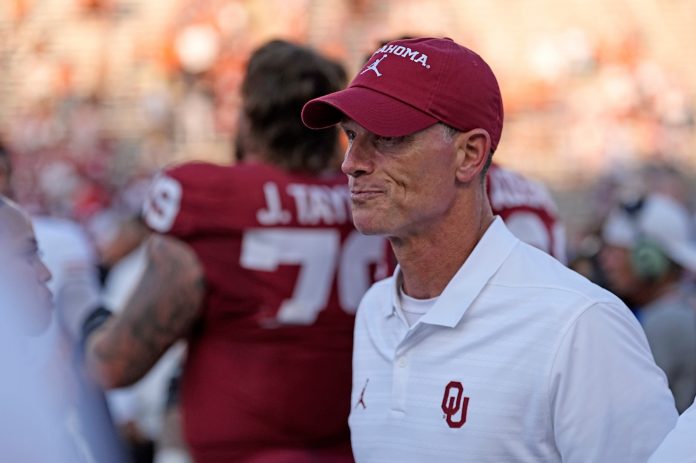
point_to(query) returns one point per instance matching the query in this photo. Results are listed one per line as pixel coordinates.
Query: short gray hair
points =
(450, 132)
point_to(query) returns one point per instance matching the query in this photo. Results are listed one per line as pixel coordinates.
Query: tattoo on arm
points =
(162, 309)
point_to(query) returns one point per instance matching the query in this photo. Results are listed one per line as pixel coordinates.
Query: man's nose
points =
(44, 273)
(357, 161)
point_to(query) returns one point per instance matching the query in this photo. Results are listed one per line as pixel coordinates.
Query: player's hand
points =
(76, 298)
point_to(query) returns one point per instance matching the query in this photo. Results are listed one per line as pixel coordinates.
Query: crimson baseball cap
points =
(409, 85)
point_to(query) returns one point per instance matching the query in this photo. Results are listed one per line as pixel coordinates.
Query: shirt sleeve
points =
(609, 400)
(680, 444)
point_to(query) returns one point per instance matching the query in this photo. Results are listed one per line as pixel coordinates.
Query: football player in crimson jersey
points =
(527, 209)
(259, 267)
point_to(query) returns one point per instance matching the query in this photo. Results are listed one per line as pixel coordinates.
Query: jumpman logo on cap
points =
(373, 66)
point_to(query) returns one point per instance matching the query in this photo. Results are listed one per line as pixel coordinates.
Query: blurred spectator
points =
(68, 254)
(649, 246)
(29, 419)
(47, 410)
(24, 275)
(75, 288)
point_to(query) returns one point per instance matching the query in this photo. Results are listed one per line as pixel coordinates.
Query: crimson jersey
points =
(269, 363)
(527, 209)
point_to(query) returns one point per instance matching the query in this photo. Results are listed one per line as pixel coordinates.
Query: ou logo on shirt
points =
(454, 403)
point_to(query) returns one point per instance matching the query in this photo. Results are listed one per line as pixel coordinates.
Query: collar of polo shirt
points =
(483, 262)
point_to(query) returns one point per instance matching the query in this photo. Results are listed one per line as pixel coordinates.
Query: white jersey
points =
(519, 360)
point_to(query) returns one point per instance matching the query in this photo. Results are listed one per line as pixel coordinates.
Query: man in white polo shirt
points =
(479, 348)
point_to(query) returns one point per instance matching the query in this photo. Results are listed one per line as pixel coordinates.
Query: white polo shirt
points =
(519, 360)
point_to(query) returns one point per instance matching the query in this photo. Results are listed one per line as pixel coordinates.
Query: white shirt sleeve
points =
(680, 444)
(609, 401)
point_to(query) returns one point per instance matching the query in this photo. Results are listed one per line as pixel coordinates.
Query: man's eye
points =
(389, 141)
(350, 134)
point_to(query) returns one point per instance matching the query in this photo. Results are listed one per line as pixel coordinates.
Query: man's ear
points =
(472, 148)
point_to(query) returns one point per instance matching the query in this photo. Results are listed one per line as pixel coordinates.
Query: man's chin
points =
(367, 227)
(39, 320)
(368, 222)
(38, 324)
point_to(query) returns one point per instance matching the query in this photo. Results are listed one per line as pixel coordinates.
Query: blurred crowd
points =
(623, 123)
(575, 96)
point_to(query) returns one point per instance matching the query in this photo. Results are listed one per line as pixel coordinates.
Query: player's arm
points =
(162, 309)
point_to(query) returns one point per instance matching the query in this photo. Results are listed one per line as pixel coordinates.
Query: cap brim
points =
(375, 111)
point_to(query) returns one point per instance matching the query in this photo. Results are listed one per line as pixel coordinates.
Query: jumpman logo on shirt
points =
(373, 66)
(361, 401)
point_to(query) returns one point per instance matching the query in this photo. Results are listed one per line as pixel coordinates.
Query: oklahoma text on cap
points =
(409, 85)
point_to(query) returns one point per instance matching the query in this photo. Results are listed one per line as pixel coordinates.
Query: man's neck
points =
(430, 259)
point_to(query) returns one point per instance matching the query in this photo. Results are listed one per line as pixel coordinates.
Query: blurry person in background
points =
(69, 256)
(259, 267)
(28, 415)
(649, 247)
(52, 308)
(22, 272)
(47, 413)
